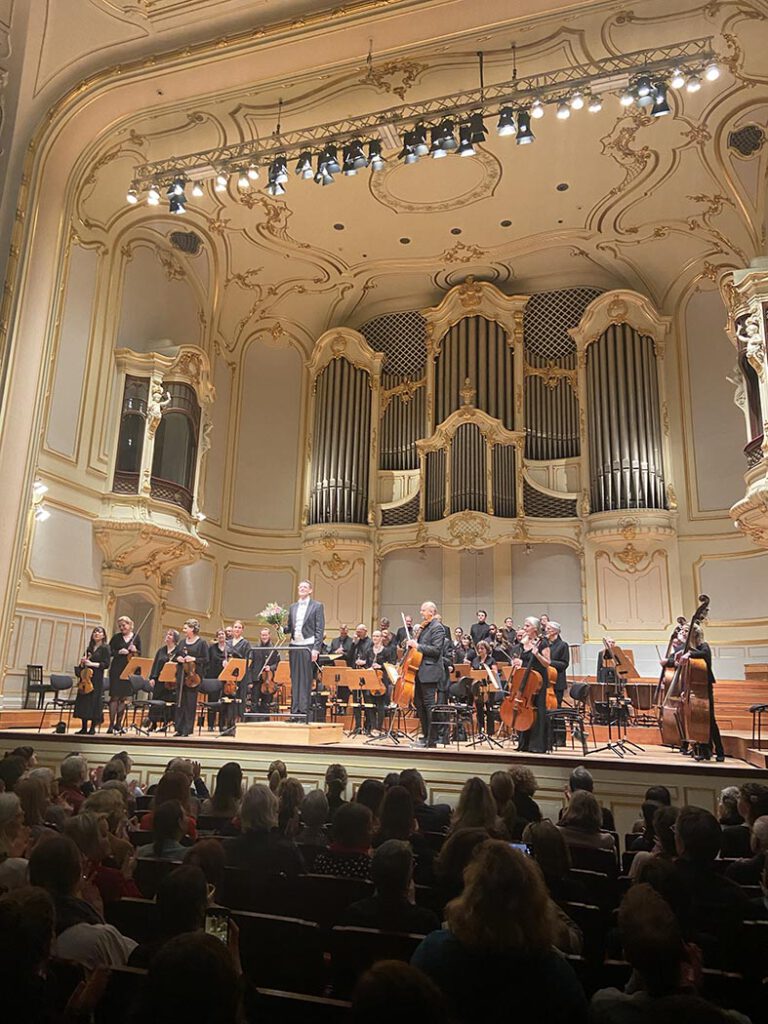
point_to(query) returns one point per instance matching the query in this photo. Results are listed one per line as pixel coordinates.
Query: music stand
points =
(360, 681)
(394, 713)
(481, 676)
(137, 667)
(233, 672)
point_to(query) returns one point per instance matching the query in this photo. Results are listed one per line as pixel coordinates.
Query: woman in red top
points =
(90, 834)
(172, 786)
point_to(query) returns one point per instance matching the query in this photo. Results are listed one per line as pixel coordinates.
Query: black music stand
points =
(618, 719)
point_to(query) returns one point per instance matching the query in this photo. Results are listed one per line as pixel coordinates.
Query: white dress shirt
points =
(301, 614)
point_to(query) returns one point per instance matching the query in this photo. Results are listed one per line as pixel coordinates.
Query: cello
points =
(404, 689)
(518, 710)
(695, 694)
(670, 711)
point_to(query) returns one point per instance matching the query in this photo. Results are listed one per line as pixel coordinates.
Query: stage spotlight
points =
(627, 98)
(357, 154)
(594, 104)
(712, 72)
(693, 84)
(153, 197)
(447, 137)
(436, 150)
(132, 197)
(506, 125)
(323, 176)
(177, 204)
(465, 140)
(643, 86)
(304, 165)
(221, 181)
(660, 103)
(329, 159)
(375, 159)
(275, 188)
(677, 81)
(348, 165)
(408, 152)
(524, 133)
(253, 172)
(420, 147)
(279, 170)
(537, 109)
(577, 101)
(197, 190)
(243, 181)
(563, 111)
(477, 129)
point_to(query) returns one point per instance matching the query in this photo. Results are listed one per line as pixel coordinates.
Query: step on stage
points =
(620, 782)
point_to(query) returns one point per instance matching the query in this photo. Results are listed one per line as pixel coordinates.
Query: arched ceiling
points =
(616, 198)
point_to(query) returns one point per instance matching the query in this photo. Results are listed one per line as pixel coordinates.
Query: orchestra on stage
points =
(487, 685)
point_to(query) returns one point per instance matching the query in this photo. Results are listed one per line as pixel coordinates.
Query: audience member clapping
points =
(74, 773)
(14, 843)
(168, 828)
(260, 848)
(582, 821)
(174, 785)
(90, 833)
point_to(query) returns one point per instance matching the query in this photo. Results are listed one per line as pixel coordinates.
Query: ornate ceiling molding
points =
(493, 430)
(186, 363)
(621, 306)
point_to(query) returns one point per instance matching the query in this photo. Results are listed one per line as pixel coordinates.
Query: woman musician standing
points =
(700, 649)
(124, 645)
(88, 703)
(488, 692)
(535, 653)
(161, 691)
(192, 659)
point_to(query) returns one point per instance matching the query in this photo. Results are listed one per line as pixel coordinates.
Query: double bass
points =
(404, 689)
(668, 671)
(670, 712)
(695, 694)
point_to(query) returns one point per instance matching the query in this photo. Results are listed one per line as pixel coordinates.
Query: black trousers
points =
(185, 711)
(300, 660)
(425, 699)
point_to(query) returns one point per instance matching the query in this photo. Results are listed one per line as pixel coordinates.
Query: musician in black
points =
(88, 706)
(264, 661)
(487, 692)
(404, 631)
(535, 654)
(382, 654)
(218, 653)
(160, 715)
(239, 647)
(559, 658)
(361, 656)
(479, 630)
(342, 644)
(192, 657)
(701, 649)
(432, 673)
(123, 646)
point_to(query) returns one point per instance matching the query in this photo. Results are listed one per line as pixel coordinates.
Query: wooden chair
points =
(592, 921)
(629, 838)
(269, 1006)
(136, 918)
(212, 823)
(34, 686)
(626, 860)
(434, 840)
(601, 890)
(586, 858)
(354, 950)
(324, 898)
(240, 890)
(120, 996)
(281, 951)
(149, 873)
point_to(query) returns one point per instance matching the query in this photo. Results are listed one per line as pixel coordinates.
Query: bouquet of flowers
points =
(276, 616)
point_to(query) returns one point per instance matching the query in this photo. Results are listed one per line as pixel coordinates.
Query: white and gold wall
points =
(654, 213)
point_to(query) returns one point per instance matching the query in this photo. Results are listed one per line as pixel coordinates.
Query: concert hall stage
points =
(620, 782)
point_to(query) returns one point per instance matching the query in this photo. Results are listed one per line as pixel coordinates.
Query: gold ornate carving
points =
(484, 163)
(468, 529)
(404, 392)
(395, 76)
(343, 342)
(630, 557)
(473, 298)
(467, 393)
(493, 430)
(461, 253)
(621, 306)
(628, 527)
(335, 565)
(552, 374)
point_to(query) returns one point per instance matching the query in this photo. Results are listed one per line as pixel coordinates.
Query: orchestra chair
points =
(566, 722)
(753, 950)
(354, 950)
(629, 839)
(435, 840)
(612, 974)
(123, 991)
(757, 711)
(594, 926)
(324, 898)
(66, 976)
(144, 803)
(34, 686)
(736, 841)
(209, 700)
(281, 951)
(150, 871)
(272, 1006)
(584, 972)
(61, 701)
(139, 706)
(626, 860)
(134, 917)
(309, 852)
(443, 718)
(732, 991)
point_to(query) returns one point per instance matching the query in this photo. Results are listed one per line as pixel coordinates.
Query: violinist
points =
(701, 649)
(264, 661)
(239, 647)
(124, 645)
(88, 705)
(488, 692)
(458, 650)
(161, 691)
(361, 656)
(431, 673)
(342, 644)
(219, 651)
(382, 653)
(535, 653)
(192, 659)
(559, 658)
(404, 631)
(509, 631)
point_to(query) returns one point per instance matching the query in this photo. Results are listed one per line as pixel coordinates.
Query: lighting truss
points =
(613, 73)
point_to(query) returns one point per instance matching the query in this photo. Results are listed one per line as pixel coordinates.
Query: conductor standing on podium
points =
(306, 626)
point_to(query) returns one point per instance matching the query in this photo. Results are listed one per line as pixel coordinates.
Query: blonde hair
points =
(477, 807)
(124, 618)
(505, 906)
(193, 624)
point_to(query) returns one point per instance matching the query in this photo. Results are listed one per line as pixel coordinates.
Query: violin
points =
(85, 678)
(191, 676)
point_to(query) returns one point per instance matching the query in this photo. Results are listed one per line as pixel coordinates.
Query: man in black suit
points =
(479, 630)
(342, 644)
(560, 658)
(306, 626)
(402, 634)
(432, 673)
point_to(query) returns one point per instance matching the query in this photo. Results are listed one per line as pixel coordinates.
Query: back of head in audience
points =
(11, 824)
(114, 769)
(581, 779)
(397, 814)
(664, 824)
(760, 835)
(505, 906)
(659, 795)
(89, 832)
(728, 806)
(476, 808)
(168, 825)
(392, 868)
(182, 898)
(11, 770)
(583, 813)
(314, 809)
(336, 779)
(394, 991)
(391, 779)
(352, 827)
(173, 786)
(110, 804)
(652, 940)
(664, 878)
(697, 835)
(208, 855)
(524, 780)
(503, 790)
(27, 921)
(228, 789)
(413, 781)
(371, 792)
(258, 812)
(456, 853)
(74, 770)
(753, 801)
(192, 980)
(276, 772)
(548, 848)
(34, 799)
(55, 866)
(27, 755)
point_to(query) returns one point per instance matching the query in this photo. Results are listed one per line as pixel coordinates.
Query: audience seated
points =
(169, 827)
(109, 805)
(646, 841)
(12, 768)
(550, 851)
(227, 793)
(35, 803)
(80, 932)
(193, 979)
(477, 809)
(290, 794)
(749, 870)
(431, 817)
(458, 850)
(581, 781)
(260, 847)
(74, 772)
(503, 789)
(314, 815)
(525, 790)
(371, 792)
(276, 772)
(664, 846)
(398, 821)
(174, 785)
(90, 834)
(502, 927)
(391, 907)
(659, 795)
(26, 932)
(58, 810)
(335, 785)
(14, 841)
(582, 821)
(393, 991)
(182, 899)
(728, 807)
(208, 855)
(349, 852)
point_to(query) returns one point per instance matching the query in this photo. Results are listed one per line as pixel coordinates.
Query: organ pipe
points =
(339, 468)
(625, 441)
(402, 424)
(478, 349)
